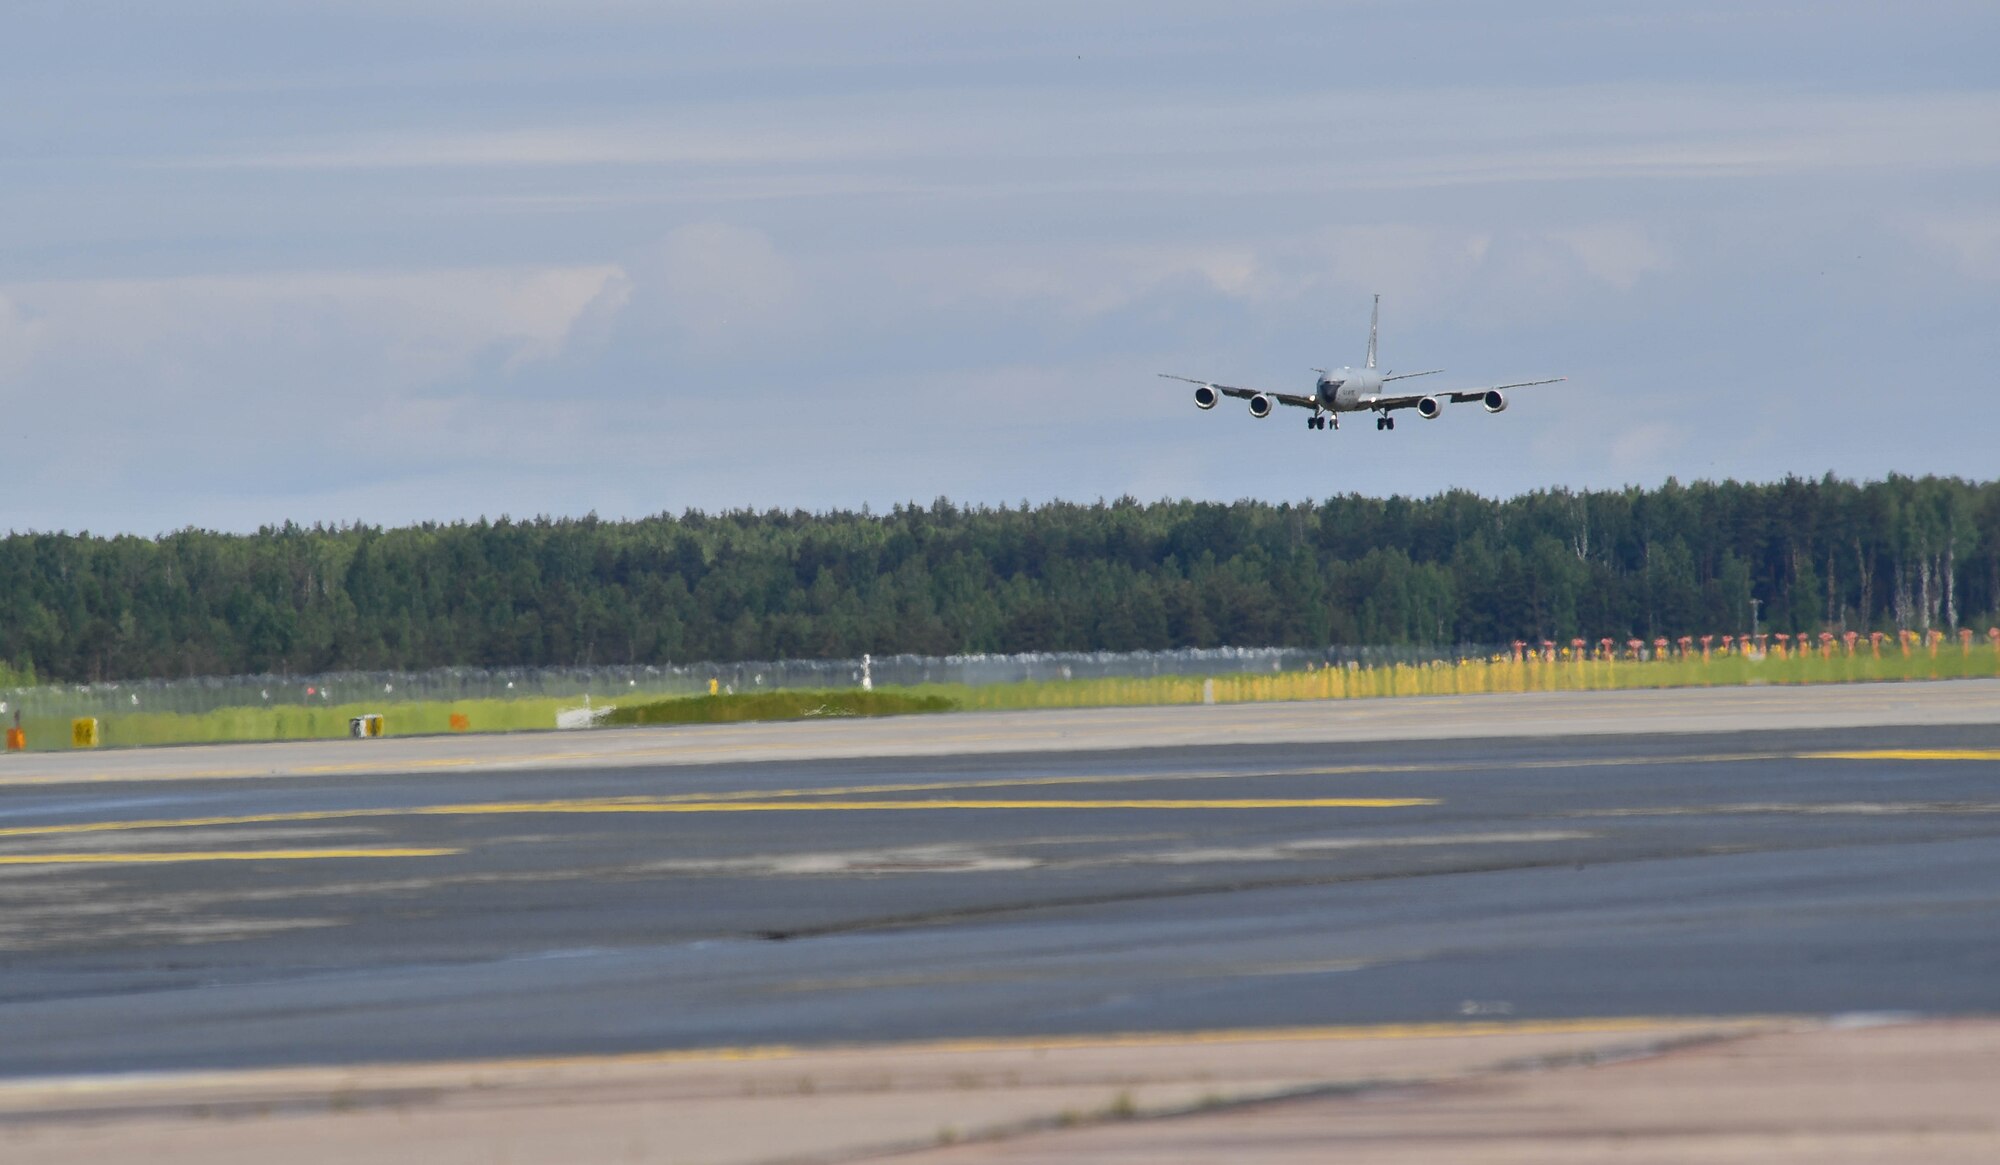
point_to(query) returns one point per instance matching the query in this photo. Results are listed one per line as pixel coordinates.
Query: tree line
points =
(1456, 568)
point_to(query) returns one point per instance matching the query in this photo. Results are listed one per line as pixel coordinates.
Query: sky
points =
(430, 260)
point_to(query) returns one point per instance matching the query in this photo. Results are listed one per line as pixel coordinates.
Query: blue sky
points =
(437, 259)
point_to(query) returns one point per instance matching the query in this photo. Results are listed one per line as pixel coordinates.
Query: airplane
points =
(1354, 390)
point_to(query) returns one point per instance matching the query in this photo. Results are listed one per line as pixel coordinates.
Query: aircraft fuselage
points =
(1342, 389)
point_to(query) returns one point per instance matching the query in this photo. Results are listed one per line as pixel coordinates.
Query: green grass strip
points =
(779, 705)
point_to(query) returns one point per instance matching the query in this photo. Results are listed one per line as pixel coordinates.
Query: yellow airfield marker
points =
(1387, 1032)
(1907, 754)
(707, 805)
(219, 855)
(943, 803)
(825, 799)
(634, 756)
(1611, 1025)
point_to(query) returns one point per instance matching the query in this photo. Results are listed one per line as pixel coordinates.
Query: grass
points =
(1893, 662)
(1505, 674)
(791, 704)
(301, 721)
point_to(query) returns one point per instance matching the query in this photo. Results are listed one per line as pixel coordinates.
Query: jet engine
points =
(1205, 396)
(1429, 408)
(1494, 401)
(1260, 406)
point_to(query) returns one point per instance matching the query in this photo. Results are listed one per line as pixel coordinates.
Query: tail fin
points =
(1372, 317)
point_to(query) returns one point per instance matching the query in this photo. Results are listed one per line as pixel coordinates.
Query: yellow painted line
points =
(633, 757)
(190, 822)
(1468, 1029)
(711, 803)
(759, 800)
(714, 802)
(1007, 783)
(1386, 1031)
(939, 803)
(220, 855)
(1906, 754)
(314, 1075)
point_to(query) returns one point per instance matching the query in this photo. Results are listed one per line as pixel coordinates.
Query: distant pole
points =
(867, 673)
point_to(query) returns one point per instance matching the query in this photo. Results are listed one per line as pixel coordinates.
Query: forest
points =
(1453, 569)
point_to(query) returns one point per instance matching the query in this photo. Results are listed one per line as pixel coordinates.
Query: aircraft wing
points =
(1289, 398)
(1384, 403)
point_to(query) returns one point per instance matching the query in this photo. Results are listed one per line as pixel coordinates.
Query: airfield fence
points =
(203, 694)
(213, 709)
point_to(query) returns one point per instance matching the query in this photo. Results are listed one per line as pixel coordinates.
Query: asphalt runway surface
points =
(351, 917)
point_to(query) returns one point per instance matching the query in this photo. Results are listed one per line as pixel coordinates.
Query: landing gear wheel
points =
(1389, 422)
(1381, 423)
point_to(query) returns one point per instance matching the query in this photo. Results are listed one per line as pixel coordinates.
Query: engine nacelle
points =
(1205, 396)
(1494, 401)
(1429, 408)
(1260, 406)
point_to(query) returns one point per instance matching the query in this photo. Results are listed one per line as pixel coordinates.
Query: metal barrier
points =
(212, 693)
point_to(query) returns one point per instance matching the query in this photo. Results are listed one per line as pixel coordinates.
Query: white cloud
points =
(1078, 281)
(1970, 242)
(1618, 254)
(18, 337)
(1412, 265)
(1647, 448)
(220, 336)
(977, 141)
(714, 283)
(689, 140)
(1409, 264)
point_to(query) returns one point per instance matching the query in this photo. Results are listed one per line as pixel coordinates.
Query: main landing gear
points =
(1384, 423)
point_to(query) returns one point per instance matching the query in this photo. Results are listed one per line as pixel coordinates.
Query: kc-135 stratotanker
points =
(1355, 390)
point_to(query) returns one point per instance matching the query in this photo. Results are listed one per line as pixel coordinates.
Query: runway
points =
(158, 919)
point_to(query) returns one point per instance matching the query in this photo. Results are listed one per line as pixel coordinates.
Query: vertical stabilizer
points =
(1373, 316)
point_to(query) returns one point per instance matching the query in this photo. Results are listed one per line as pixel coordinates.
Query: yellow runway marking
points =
(635, 757)
(765, 800)
(891, 806)
(1249, 1035)
(194, 822)
(708, 804)
(1907, 754)
(715, 800)
(1477, 1029)
(221, 855)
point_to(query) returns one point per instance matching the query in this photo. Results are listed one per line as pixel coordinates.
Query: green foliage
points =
(940, 579)
(793, 704)
(300, 722)
(783, 705)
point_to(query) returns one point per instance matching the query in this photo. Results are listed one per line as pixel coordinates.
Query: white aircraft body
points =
(1354, 390)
